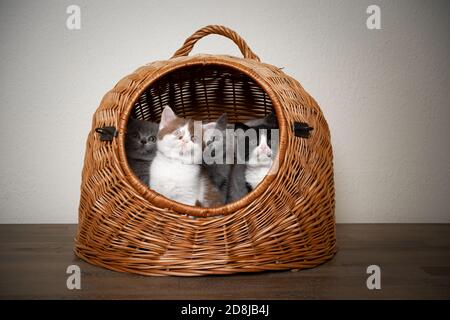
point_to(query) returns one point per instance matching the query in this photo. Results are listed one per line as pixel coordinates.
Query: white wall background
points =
(384, 92)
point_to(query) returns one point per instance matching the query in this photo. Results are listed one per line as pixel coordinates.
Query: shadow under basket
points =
(286, 222)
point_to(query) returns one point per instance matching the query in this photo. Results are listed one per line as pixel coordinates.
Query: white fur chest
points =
(175, 180)
(255, 174)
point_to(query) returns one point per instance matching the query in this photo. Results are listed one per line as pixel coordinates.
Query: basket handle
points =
(220, 30)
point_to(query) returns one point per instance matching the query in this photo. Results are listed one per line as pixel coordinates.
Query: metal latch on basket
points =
(107, 133)
(302, 129)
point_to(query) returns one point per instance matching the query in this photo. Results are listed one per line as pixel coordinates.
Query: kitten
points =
(253, 159)
(176, 170)
(140, 147)
(214, 156)
(237, 185)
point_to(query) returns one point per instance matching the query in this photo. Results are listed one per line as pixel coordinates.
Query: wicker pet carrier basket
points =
(286, 222)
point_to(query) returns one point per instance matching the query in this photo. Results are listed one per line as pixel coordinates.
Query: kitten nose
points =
(143, 141)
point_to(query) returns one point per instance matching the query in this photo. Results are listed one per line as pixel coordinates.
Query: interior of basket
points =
(204, 92)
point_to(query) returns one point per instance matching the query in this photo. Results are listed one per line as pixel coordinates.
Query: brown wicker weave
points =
(287, 222)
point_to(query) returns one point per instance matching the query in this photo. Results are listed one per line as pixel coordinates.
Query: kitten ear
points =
(221, 123)
(133, 123)
(207, 130)
(271, 119)
(263, 140)
(167, 116)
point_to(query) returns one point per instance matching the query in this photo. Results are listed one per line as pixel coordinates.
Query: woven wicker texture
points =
(287, 222)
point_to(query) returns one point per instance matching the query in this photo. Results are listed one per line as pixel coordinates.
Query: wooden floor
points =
(414, 261)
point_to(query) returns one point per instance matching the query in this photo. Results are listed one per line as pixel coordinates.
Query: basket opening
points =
(203, 92)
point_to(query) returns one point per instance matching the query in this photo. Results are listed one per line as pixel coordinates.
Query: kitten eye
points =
(152, 138)
(177, 132)
(211, 140)
(135, 135)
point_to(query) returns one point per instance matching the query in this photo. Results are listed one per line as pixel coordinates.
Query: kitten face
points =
(260, 153)
(178, 138)
(213, 146)
(140, 141)
(254, 144)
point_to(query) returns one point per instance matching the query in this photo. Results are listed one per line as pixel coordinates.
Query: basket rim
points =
(178, 63)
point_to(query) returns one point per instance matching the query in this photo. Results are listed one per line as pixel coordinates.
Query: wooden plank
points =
(414, 261)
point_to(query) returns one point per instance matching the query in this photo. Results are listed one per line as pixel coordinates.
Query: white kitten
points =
(176, 169)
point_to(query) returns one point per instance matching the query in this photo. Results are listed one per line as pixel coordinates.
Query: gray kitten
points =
(237, 187)
(214, 146)
(140, 147)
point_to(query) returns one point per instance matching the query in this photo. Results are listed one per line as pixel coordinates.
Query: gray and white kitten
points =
(260, 159)
(140, 147)
(252, 166)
